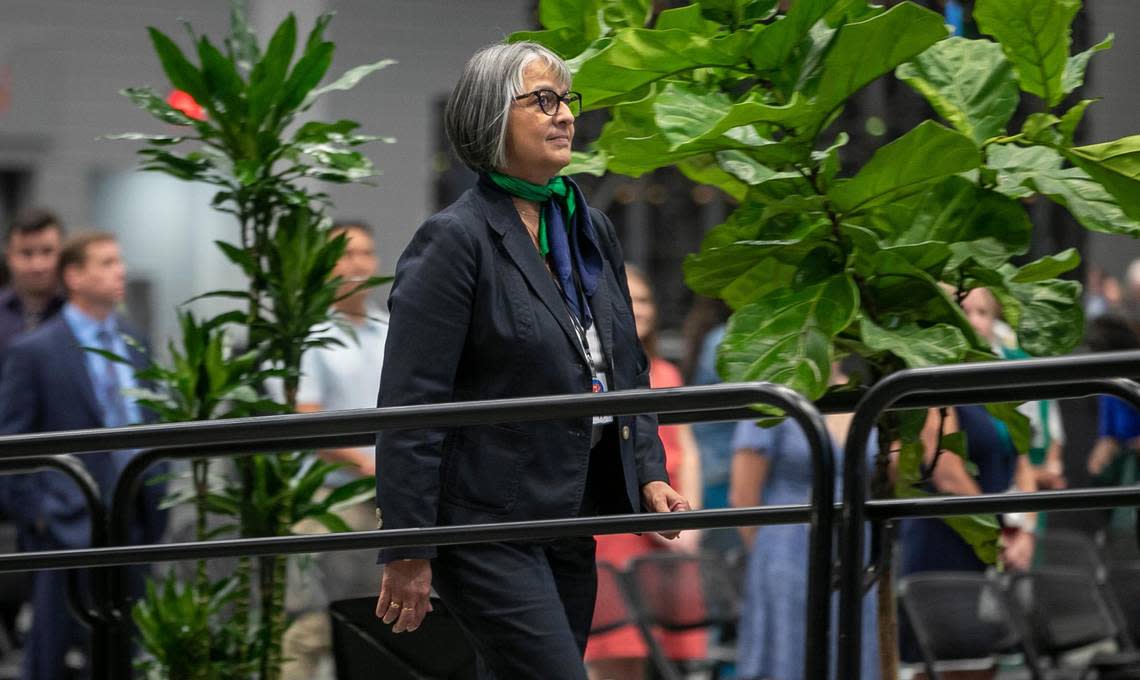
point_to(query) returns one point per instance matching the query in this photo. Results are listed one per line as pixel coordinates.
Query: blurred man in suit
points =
(32, 295)
(51, 383)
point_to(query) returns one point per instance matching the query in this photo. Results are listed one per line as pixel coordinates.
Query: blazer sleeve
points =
(649, 452)
(430, 308)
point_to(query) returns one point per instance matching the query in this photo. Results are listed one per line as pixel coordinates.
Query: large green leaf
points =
(1116, 166)
(1016, 165)
(917, 346)
(1076, 65)
(1035, 36)
(348, 81)
(786, 337)
(927, 153)
(1048, 267)
(220, 76)
(774, 45)
(687, 18)
(968, 82)
(1086, 200)
(148, 100)
(962, 214)
(866, 50)
(749, 111)
(898, 292)
(1046, 315)
(268, 74)
(658, 130)
(636, 57)
(740, 267)
(705, 169)
(182, 74)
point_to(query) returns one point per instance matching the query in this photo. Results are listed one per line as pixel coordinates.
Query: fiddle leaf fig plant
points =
(267, 161)
(822, 258)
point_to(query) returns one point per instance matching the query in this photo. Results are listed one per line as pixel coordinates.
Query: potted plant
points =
(266, 162)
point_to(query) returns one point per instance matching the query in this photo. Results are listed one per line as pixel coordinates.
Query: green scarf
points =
(528, 191)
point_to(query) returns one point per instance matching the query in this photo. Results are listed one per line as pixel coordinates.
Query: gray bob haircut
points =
(476, 113)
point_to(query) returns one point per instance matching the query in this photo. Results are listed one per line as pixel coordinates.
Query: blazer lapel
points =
(504, 219)
(74, 363)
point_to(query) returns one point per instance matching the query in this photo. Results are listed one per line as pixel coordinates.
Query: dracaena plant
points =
(267, 165)
(822, 258)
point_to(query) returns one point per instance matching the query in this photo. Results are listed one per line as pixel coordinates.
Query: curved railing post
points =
(1007, 376)
(93, 619)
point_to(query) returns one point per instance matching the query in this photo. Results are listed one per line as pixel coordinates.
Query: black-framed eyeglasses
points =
(548, 101)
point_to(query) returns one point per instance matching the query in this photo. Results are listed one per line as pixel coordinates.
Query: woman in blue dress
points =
(773, 467)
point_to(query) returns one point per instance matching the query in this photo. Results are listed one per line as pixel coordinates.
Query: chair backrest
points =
(1068, 550)
(611, 608)
(1124, 584)
(679, 592)
(1064, 609)
(958, 615)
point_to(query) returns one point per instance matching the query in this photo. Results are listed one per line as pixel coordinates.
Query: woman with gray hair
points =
(517, 289)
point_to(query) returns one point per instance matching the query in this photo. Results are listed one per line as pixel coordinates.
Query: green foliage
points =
(821, 258)
(261, 156)
(184, 632)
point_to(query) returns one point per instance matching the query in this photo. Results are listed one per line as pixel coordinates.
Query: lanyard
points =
(579, 330)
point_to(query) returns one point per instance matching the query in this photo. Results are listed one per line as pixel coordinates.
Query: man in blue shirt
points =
(52, 383)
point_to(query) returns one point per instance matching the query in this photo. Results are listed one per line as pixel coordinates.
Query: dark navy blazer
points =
(475, 314)
(46, 388)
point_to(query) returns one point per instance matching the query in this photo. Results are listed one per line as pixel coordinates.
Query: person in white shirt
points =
(334, 378)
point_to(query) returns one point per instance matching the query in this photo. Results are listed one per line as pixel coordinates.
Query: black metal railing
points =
(922, 388)
(318, 430)
(948, 386)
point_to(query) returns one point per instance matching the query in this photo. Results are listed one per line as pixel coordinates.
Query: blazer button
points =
(625, 431)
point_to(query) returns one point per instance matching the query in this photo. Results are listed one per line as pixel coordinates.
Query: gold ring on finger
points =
(394, 605)
(409, 609)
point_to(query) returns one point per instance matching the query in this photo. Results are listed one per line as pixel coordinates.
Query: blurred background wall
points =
(63, 62)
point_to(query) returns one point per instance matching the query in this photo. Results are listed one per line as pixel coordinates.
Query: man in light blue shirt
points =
(334, 378)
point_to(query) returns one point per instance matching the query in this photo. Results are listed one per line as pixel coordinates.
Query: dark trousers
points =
(525, 607)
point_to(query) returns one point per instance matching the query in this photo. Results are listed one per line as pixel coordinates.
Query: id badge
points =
(598, 386)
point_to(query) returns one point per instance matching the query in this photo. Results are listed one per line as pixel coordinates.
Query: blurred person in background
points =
(31, 297)
(341, 376)
(995, 466)
(33, 294)
(704, 329)
(773, 466)
(621, 654)
(52, 383)
(1102, 294)
(1115, 457)
(1047, 433)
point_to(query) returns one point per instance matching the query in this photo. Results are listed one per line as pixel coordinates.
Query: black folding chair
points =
(611, 609)
(1069, 550)
(679, 592)
(959, 616)
(1124, 583)
(1066, 610)
(365, 648)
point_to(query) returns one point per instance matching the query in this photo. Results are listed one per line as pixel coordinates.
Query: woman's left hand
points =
(658, 496)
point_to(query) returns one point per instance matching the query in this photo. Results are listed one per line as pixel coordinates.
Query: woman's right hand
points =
(404, 591)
